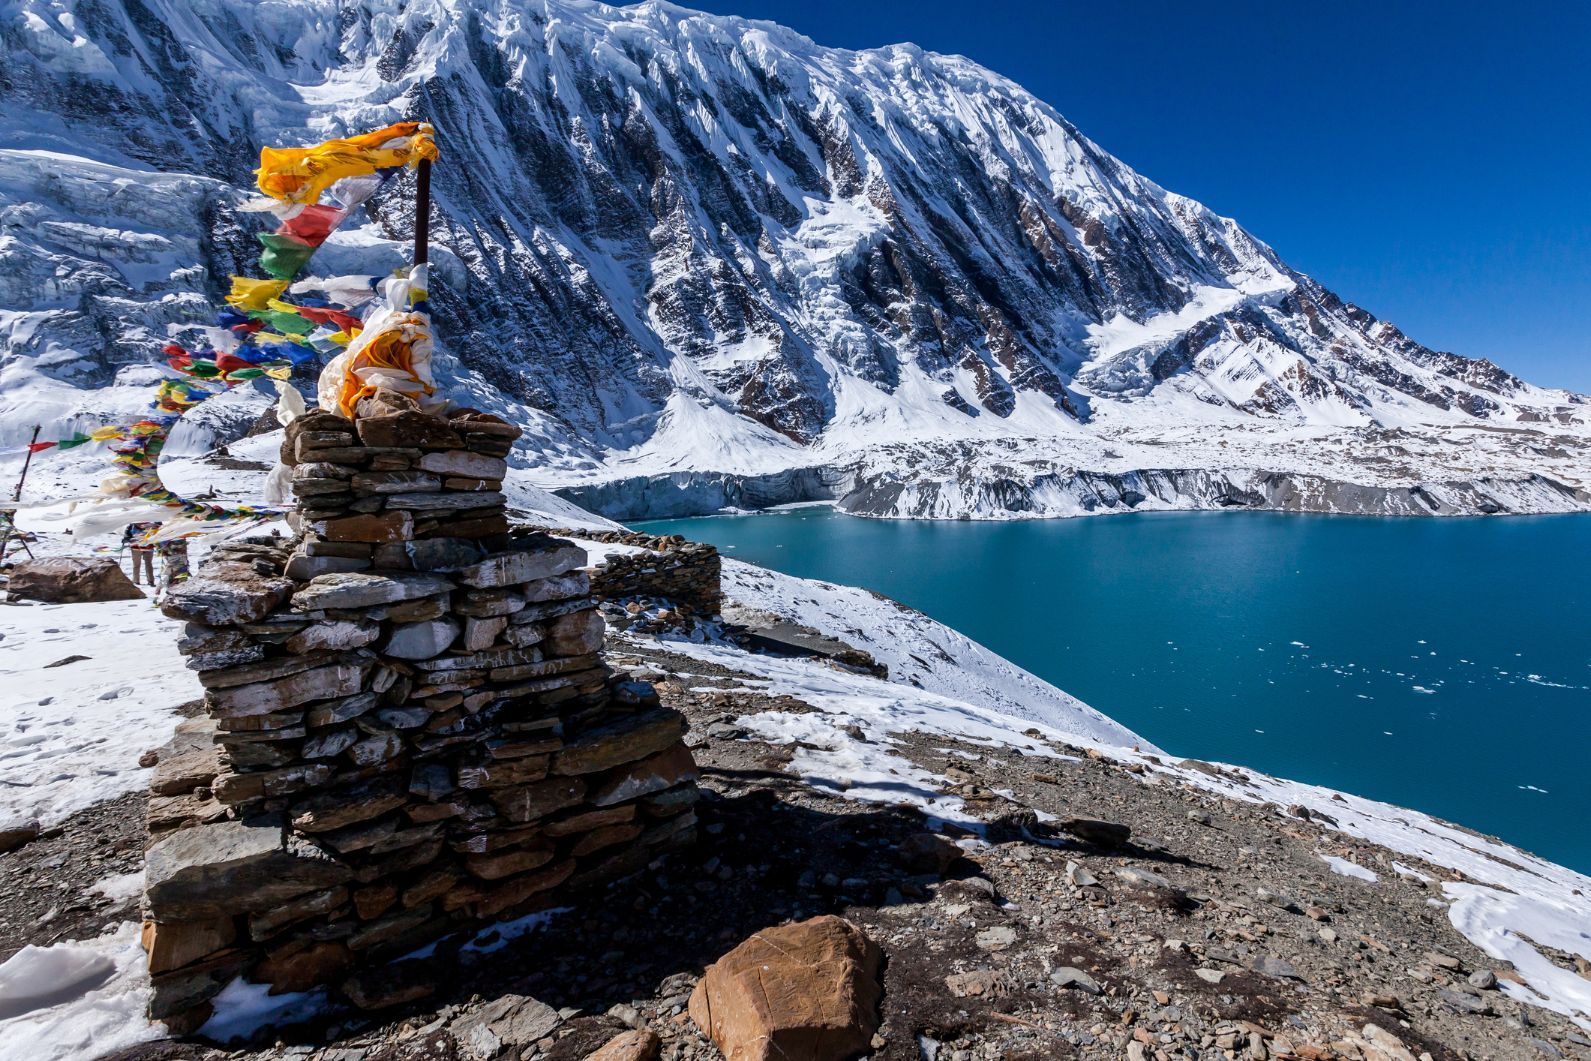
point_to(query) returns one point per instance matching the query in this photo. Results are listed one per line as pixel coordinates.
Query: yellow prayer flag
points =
(251, 294)
(301, 174)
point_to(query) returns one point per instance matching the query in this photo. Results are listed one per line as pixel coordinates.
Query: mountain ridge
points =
(673, 243)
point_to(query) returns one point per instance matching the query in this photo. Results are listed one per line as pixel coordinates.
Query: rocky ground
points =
(49, 883)
(1215, 930)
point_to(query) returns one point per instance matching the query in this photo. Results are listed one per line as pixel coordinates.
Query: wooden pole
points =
(422, 212)
(16, 495)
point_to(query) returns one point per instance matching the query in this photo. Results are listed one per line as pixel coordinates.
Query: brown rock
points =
(506, 1021)
(641, 1044)
(1109, 835)
(607, 836)
(554, 558)
(408, 428)
(384, 527)
(521, 889)
(191, 760)
(809, 990)
(480, 633)
(506, 863)
(178, 943)
(300, 969)
(389, 985)
(927, 853)
(178, 812)
(395, 482)
(319, 422)
(16, 834)
(620, 742)
(575, 634)
(264, 670)
(655, 773)
(343, 807)
(431, 886)
(360, 589)
(72, 580)
(479, 527)
(464, 464)
(588, 820)
(385, 402)
(193, 985)
(234, 789)
(558, 587)
(269, 922)
(504, 772)
(527, 803)
(335, 635)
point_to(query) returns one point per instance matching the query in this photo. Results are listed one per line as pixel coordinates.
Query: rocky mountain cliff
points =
(707, 253)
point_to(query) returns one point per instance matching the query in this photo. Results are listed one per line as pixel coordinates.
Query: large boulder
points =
(809, 990)
(72, 580)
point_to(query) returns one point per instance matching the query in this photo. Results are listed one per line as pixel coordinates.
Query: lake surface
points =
(1441, 664)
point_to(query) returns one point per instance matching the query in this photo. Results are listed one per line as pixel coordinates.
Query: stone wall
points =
(673, 569)
(409, 726)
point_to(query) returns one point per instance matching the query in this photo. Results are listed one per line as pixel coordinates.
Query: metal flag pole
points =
(16, 495)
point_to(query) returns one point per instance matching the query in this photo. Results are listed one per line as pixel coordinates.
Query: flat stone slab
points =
(232, 867)
(191, 760)
(264, 698)
(464, 463)
(624, 741)
(512, 568)
(362, 589)
(225, 602)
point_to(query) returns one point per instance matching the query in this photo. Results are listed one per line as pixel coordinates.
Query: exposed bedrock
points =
(1082, 492)
(703, 493)
(1069, 492)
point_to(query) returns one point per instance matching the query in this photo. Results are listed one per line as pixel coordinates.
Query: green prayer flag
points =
(283, 257)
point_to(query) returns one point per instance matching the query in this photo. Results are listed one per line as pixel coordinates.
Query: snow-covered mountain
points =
(710, 262)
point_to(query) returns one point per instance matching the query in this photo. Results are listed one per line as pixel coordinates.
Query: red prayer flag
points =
(327, 315)
(312, 224)
(36, 447)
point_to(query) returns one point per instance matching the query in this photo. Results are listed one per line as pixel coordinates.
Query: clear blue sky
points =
(1429, 161)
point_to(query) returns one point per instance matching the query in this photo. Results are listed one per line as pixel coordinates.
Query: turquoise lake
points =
(1441, 664)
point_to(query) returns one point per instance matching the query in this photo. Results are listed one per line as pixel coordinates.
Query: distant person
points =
(143, 554)
(173, 563)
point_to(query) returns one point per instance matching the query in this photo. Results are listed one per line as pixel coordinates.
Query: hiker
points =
(143, 553)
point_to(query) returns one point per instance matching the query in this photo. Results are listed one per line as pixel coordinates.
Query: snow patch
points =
(83, 998)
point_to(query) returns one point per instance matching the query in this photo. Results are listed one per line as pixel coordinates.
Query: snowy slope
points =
(917, 650)
(71, 734)
(705, 260)
(1504, 900)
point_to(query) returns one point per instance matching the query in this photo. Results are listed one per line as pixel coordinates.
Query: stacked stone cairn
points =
(415, 730)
